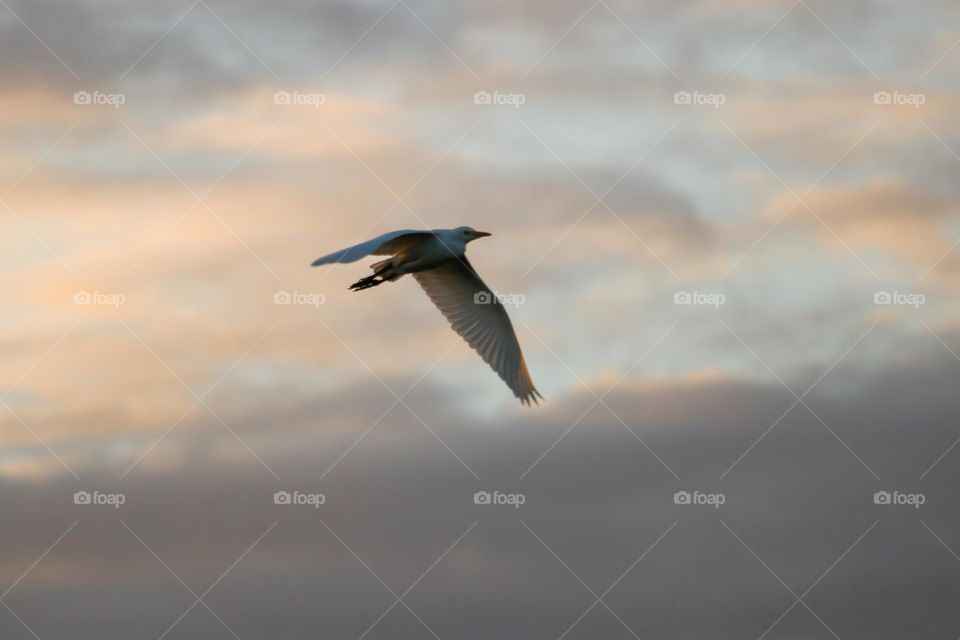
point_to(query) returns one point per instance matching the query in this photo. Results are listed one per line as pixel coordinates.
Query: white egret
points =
(437, 260)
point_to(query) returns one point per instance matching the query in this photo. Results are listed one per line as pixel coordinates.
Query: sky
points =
(727, 234)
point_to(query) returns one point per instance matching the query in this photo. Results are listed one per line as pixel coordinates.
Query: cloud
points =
(886, 214)
(200, 512)
(306, 391)
(335, 126)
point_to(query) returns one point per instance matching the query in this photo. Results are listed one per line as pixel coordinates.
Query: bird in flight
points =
(437, 260)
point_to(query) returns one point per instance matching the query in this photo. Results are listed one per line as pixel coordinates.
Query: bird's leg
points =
(366, 283)
(380, 275)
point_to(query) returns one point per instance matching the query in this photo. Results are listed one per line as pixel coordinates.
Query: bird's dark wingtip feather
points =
(532, 399)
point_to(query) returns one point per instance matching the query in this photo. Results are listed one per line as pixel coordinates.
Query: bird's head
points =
(468, 234)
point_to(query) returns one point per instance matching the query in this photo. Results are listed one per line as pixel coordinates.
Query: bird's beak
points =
(481, 234)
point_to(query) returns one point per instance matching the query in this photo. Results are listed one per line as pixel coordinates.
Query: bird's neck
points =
(455, 245)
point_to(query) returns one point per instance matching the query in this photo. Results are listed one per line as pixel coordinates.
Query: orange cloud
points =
(884, 214)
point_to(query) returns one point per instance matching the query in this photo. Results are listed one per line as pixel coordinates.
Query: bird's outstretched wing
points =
(388, 243)
(475, 313)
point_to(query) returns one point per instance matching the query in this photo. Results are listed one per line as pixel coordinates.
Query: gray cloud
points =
(799, 499)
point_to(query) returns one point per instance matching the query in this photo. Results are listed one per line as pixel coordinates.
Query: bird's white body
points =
(437, 259)
(428, 253)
